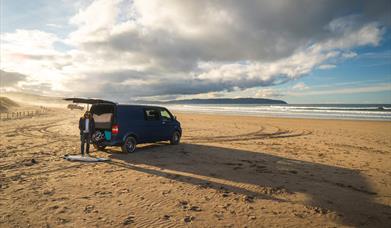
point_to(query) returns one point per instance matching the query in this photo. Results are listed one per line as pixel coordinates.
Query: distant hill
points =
(6, 103)
(220, 101)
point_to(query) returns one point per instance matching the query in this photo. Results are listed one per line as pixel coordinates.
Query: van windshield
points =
(165, 115)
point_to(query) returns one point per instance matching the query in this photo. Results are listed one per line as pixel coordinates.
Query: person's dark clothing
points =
(85, 137)
(82, 125)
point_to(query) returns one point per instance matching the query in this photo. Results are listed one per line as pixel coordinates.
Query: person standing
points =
(86, 127)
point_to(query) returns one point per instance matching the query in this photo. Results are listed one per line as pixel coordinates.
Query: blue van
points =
(129, 125)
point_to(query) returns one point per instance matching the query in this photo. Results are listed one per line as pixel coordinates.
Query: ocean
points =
(317, 111)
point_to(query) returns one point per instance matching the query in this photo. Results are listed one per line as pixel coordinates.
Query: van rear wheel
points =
(175, 138)
(129, 145)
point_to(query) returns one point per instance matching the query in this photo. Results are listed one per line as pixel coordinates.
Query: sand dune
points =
(229, 171)
(6, 104)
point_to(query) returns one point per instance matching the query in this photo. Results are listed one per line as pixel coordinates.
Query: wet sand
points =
(229, 171)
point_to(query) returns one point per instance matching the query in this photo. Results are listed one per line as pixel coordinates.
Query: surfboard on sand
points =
(85, 158)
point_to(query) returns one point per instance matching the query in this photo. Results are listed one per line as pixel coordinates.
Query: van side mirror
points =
(174, 117)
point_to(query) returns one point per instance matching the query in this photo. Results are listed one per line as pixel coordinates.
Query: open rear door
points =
(88, 101)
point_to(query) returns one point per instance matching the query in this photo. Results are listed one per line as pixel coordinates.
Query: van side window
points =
(151, 114)
(165, 115)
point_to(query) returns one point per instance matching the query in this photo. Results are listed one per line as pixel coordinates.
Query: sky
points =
(300, 51)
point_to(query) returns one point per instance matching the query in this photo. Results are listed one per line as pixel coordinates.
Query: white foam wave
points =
(328, 112)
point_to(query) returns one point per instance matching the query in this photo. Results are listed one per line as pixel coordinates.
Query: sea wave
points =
(369, 112)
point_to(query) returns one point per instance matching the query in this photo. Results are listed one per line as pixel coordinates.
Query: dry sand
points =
(229, 171)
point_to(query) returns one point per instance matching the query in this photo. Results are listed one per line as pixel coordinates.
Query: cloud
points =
(126, 49)
(377, 87)
(8, 79)
(33, 53)
(300, 86)
(269, 93)
(350, 54)
(302, 90)
(378, 10)
(16, 82)
(28, 42)
(38, 88)
(53, 25)
(327, 66)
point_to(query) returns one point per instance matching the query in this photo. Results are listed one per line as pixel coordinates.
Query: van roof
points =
(133, 105)
(140, 106)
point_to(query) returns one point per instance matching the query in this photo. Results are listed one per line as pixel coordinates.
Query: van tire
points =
(175, 138)
(100, 148)
(129, 145)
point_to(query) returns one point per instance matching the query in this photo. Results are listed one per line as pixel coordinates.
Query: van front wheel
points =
(175, 138)
(129, 145)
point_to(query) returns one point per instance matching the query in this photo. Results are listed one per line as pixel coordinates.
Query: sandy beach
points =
(228, 171)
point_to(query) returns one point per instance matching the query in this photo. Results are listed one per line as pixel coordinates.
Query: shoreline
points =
(345, 112)
(195, 112)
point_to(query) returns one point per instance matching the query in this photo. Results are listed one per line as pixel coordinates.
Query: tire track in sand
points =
(256, 135)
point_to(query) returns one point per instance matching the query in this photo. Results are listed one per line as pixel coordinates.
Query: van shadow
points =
(263, 176)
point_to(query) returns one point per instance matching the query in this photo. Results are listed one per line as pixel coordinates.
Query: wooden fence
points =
(23, 114)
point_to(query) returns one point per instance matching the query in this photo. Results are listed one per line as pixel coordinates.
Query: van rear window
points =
(151, 114)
